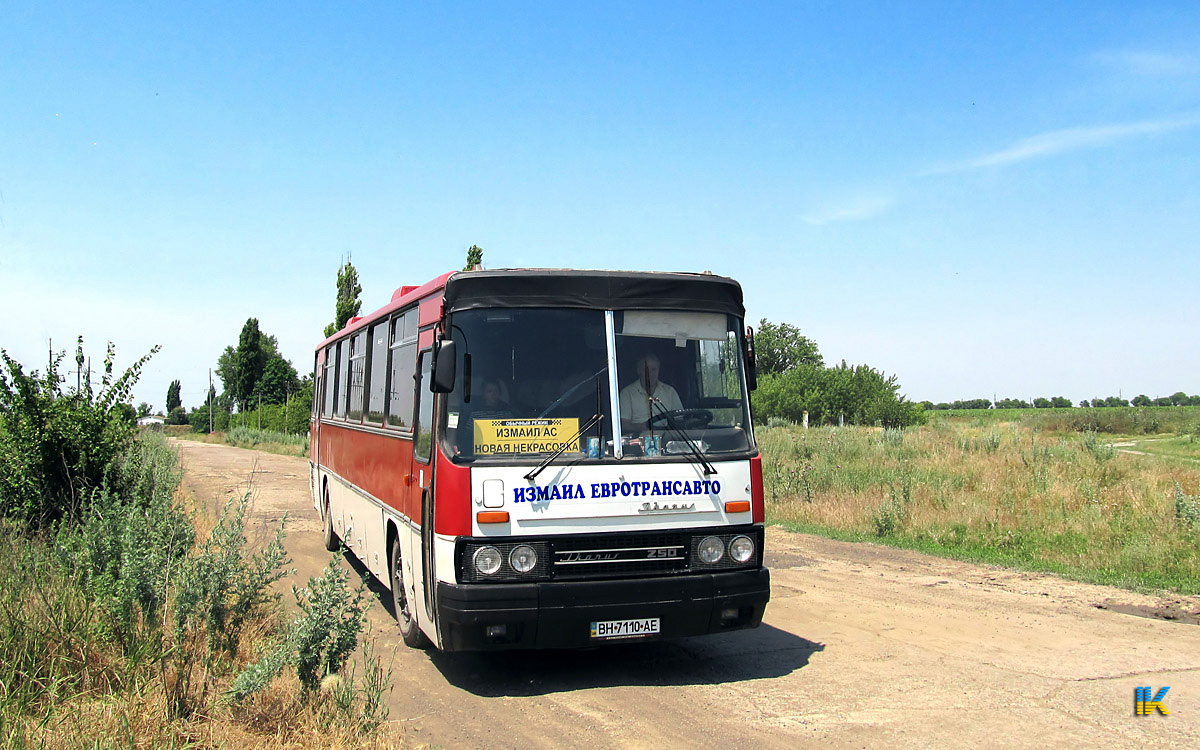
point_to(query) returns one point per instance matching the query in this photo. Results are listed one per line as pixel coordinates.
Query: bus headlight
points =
(523, 558)
(487, 560)
(710, 549)
(741, 549)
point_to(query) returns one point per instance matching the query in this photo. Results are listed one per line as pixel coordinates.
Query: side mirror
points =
(444, 365)
(751, 365)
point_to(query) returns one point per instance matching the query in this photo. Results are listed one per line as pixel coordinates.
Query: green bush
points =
(320, 639)
(291, 418)
(133, 539)
(858, 394)
(56, 447)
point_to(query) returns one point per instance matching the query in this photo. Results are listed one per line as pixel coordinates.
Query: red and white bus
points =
(547, 458)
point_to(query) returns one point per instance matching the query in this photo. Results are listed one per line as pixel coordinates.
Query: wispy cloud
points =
(1070, 139)
(859, 208)
(1152, 64)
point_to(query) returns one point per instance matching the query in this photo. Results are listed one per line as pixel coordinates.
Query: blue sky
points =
(979, 198)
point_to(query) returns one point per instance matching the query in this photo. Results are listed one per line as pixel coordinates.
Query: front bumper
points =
(559, 615)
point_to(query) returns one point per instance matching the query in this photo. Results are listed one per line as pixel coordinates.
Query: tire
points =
(409, 630)
(332, 543)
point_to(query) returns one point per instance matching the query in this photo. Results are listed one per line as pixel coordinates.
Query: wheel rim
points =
(399, 595)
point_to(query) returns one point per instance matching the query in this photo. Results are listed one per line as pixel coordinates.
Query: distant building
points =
(151, 423)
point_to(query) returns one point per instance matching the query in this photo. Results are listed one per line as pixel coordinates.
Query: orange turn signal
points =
(494, 516)
(737, 506)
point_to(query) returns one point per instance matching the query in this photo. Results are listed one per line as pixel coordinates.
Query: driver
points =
(646, 397)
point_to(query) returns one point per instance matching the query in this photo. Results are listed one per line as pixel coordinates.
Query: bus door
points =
(422, 470)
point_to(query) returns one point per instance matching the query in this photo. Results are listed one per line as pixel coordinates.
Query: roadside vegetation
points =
(268, 441)
(1040, 492)
(129, 619)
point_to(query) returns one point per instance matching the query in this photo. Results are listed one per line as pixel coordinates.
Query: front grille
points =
(608, 556)
(619, 556)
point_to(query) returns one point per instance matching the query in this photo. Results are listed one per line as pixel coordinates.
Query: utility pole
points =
(209, 394)
(259, 412)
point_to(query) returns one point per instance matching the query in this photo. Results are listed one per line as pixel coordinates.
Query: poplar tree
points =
(173, 398)
(348, 304)
(248, 363)
(474, 257)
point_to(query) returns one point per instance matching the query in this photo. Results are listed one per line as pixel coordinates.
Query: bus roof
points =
(562, 287)
(602, 290)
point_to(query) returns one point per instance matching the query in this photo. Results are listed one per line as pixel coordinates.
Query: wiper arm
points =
(708, 468)
(532, 475)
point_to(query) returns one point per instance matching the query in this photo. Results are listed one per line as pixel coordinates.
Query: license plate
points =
(625, 628)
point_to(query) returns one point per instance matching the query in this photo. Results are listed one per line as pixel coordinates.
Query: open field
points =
(1120, 420)
(1010, 493)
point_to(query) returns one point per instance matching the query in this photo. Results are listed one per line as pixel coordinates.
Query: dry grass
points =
(1003, 492)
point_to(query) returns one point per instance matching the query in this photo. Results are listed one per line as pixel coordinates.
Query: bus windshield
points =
(681, 382)
(532, 381)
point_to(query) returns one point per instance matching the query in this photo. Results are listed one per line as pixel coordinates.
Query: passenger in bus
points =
(491, 406)
(646, 397)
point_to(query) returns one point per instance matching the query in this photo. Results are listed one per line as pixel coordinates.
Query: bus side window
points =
(339, 385)
(403, 366)
(329, 381)
(424, 426)
(358, 364)
(378, 381)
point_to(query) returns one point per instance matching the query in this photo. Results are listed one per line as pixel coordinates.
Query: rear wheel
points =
(332, 543)
(404, 616)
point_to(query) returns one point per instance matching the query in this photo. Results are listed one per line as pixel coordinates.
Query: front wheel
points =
(409, 630)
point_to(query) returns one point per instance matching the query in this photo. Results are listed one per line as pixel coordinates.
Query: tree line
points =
(1179, 398)
(793, 379)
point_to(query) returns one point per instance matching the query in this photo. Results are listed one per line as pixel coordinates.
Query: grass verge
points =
(267, 441)
(1003, 493)
(128, 628)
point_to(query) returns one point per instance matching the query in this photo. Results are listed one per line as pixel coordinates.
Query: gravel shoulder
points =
(861, 646)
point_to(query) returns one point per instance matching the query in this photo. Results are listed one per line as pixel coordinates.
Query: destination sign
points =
(515, 436)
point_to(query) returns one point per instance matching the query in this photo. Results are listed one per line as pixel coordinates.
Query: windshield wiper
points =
(662, 410)
(532, 475)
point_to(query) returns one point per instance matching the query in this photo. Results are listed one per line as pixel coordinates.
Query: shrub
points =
(56, 446)
(133, 538)
(1187, 508)
(220, 588)
(320, 639)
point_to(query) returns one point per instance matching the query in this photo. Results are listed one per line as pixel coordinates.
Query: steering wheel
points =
(686, 419)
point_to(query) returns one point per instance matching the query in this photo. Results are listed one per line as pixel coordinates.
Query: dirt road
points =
(862, 646)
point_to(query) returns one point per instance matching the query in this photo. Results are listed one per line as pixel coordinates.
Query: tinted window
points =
(403, 367)
(330, 380)
(339, 398)
(358, 370)
(378, 383)
(525, 367)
